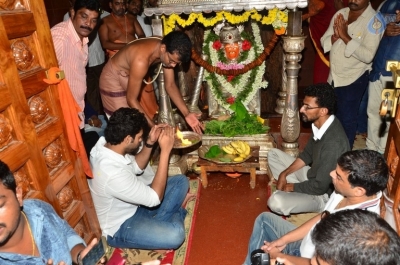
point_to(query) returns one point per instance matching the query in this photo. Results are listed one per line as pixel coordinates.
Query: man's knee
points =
(276, 203)
(175, 238)
(179, 180)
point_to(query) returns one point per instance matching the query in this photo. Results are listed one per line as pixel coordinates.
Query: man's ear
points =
(359, 191)
(163, 47)
(127, 139)
(324, 111)
(72, 13)
(19, 195)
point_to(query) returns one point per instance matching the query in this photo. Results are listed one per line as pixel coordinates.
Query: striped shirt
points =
(72, 57)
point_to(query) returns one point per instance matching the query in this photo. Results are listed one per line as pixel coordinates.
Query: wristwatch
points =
(148, 145)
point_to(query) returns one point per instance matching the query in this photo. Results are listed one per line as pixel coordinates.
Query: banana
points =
(238, 159)
(242, 146)
(228, 149)
(237, 146)
(247, 151)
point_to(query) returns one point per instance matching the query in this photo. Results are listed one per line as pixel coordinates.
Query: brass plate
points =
(191, 136)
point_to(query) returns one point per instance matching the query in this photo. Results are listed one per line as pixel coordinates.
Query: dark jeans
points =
(348, 103)
(93, 91)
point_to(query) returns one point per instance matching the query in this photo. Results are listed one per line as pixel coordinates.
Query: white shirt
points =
(146, 27)
(116, 187)
(318, 133)
(307, 248)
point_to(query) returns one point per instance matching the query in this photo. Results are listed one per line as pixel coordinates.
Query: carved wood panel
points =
(392, 155)
(33, 140)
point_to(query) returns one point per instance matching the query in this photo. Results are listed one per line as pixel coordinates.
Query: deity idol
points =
(230, 38)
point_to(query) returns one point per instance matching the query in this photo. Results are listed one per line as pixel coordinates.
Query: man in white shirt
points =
(135, 207)
(359, 179)
(354, 237)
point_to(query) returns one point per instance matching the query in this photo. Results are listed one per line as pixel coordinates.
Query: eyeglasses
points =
(306, 107)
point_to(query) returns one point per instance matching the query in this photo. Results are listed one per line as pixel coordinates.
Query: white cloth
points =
(318, 133)
(146, 27)
(349, 62)
(118, 187)
(307, 248)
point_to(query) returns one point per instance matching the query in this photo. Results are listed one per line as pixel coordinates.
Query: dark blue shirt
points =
(389, 47)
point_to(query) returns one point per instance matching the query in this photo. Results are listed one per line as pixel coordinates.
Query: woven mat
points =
(177, 257)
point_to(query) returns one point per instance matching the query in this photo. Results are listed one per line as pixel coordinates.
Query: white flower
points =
(244, 79)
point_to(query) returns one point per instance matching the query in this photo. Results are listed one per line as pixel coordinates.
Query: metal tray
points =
(191, 136)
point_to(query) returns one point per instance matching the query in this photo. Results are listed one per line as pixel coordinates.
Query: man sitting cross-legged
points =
(303, 183)
(137, 208)
(359, 178)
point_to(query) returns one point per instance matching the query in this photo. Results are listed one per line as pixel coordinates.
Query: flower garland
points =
(240, 87)
(277, 18)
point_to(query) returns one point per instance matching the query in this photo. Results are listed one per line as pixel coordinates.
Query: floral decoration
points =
(227, 89)
(276, 18)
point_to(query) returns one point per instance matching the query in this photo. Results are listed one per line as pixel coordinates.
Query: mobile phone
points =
(96, 253)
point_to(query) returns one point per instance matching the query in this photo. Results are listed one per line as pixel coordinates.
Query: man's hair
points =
(324, 94)
(179, 42)
(366, 168)
(93, 5)
(124, 122)
(354, 237)
(7, 177)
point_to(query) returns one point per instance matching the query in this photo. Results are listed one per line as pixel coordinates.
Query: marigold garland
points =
(277, 18)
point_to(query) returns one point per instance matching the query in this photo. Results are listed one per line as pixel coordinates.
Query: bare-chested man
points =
(118, 28)
(122, 77)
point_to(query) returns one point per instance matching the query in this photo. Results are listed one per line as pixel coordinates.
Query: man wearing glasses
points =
(303, 183)
(122, 79)
(359, 178)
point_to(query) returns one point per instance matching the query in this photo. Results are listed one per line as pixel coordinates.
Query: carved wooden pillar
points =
(293, 44)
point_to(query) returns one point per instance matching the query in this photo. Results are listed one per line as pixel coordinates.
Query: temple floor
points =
(228, 207)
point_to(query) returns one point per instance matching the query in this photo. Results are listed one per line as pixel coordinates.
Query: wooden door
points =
(392, 153)
(33, 140)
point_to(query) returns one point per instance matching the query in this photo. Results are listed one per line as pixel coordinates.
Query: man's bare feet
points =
(189, 197)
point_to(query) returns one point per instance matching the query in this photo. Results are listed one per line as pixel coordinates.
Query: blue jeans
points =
(160, 227)
(269, 227)
(348, 102)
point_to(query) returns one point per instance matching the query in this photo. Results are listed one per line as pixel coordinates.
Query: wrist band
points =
(148, 145)
(78, 258)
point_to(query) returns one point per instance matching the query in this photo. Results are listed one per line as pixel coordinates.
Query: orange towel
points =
(70, 111)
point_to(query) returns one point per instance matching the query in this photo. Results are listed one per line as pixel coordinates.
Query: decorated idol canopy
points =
(167, 7)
